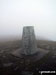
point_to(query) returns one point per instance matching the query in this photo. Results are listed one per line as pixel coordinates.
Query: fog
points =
(14, 14)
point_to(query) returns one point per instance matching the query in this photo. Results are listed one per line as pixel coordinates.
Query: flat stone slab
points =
(34, 57)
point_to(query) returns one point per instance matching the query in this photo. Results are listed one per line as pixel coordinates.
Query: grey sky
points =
(14, 14)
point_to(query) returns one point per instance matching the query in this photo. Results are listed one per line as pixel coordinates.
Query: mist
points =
(15, 14)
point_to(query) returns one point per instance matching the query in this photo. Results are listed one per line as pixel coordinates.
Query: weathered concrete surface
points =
(29, 45)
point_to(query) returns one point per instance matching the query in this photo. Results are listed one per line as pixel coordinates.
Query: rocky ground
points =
(14, 65)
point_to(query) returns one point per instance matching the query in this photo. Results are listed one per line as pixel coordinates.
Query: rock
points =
(7, 64)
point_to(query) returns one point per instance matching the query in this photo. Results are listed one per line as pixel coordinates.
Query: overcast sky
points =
(14, 14)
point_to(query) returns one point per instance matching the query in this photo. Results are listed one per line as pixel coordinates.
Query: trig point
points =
(29, 45)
